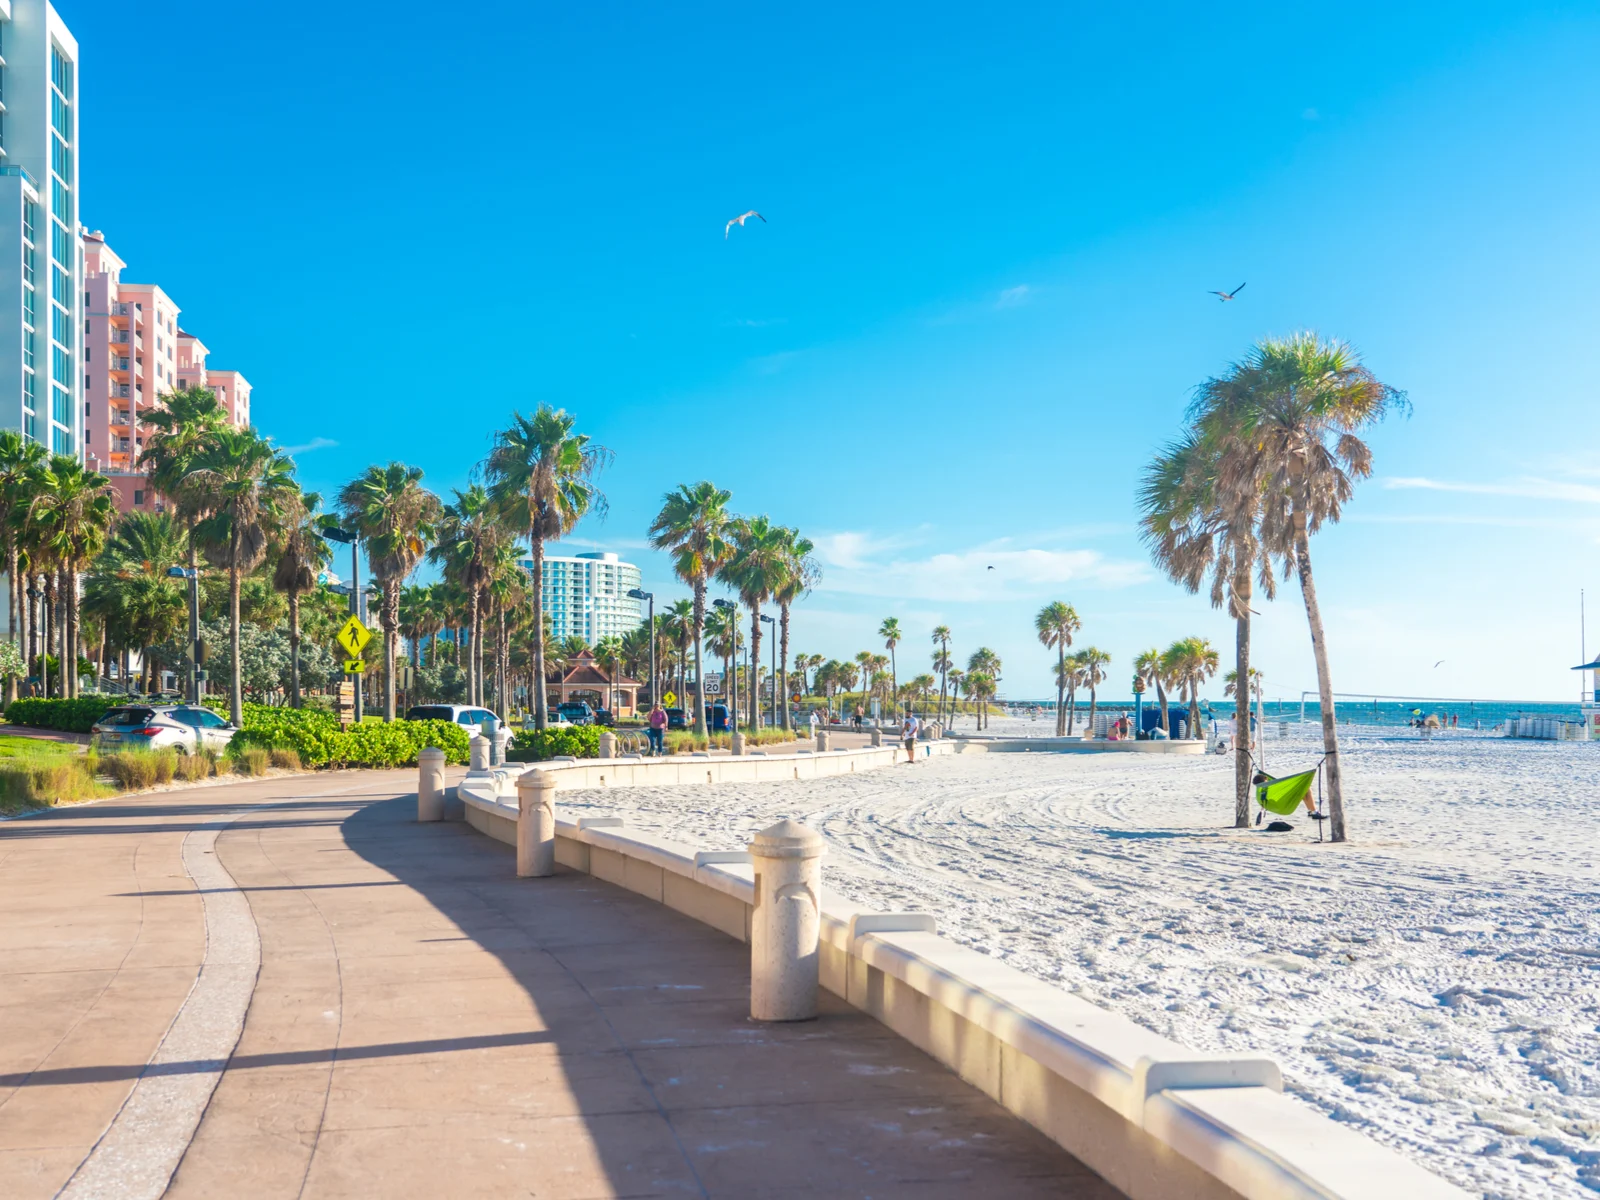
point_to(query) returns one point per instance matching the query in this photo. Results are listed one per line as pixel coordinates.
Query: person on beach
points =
(813, 724)
(908, 735)
(657, 731)
(856, 720)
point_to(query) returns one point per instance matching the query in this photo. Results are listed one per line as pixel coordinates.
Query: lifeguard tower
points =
(1591, 700)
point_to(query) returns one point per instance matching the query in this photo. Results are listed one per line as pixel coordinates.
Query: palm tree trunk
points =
(699, 657)
(236, 690)
(1161, 695)
(1061, 688)
(1319, 649)
(70, 579)
(391, 623)
(538, 632)
(294, 647)
(1094, 702)
(780, 686)
(13, 604)
(1241, 703)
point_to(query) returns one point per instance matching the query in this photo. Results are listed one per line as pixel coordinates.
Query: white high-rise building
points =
(41, 255)
(587, 595)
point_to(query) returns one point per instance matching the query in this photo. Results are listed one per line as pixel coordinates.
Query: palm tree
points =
(725, 638)
(1055, 625)
(942, 662)
(608, 654)
(693, 527)
(541, 476)
(677, 626)
(759, 567)
(1189, 662)
(889, 631)
(128, 588)
(302, 554)
(957, 678)
(395, 516)
(1095, 661)
(73, 517)
(1193, 531)
(1149, 667)
(800, 575)
(1069, 677)
(980, 687)
(1286, 422)
(244, 483)
(21, 465)
(468, 538)
(985, 662)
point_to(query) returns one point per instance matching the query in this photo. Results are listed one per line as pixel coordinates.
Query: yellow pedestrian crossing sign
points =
(354, 666)
(669, 699)
(353, 635)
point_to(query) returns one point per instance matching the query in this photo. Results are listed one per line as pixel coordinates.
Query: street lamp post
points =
(641, 594)
(773, 679)
(729, 691)
(196, 657)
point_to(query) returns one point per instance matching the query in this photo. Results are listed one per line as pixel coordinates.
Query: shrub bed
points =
(75, 715)
(536, 745)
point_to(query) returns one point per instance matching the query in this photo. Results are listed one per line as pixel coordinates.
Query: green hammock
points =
(1283, 796)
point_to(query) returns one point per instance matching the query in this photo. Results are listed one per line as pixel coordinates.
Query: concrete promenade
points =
(288, 988)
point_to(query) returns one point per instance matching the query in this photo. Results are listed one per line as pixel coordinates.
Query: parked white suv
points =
(159, 726)
(460, 714)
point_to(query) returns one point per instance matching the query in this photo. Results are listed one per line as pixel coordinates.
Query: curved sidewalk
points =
(288, 988)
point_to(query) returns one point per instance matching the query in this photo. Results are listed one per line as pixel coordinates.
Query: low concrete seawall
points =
(1153, 1117)
(1068, 745)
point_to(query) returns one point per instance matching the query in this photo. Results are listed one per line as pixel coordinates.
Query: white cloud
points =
(862, 564)
(1014, 297)
(316, 443)
(1528, 489)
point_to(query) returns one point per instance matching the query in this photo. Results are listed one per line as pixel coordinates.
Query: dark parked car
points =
(717, 718)
(604, 716)
(677, 718)
(576, 711)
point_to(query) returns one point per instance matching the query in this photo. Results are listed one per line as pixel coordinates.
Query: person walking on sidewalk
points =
(658, 728)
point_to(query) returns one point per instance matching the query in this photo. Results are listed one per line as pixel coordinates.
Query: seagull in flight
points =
(1438, 664)
(1226, 296)
(740, 220)
(991, 568)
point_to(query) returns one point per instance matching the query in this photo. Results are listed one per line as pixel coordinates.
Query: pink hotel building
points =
(134, 352)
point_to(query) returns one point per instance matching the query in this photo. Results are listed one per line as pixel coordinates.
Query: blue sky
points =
(979, 304)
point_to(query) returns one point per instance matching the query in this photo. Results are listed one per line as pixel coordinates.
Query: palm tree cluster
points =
(761, 563)
(1055, 624)
(1272, 452)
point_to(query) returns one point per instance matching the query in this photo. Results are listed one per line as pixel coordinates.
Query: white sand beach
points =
(1435, 982)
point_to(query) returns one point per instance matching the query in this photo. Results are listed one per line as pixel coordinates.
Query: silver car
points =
(158, 726)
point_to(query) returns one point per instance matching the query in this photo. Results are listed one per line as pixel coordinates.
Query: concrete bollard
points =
(784, 924)
(490, 728)
(608, 744)
(822, 740)
(536, 824)
(737, 740)
(477, 751)
(877, 736)
(430, 784)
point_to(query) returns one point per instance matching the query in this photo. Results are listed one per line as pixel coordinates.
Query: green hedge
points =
(71, 716)
(535, 745)
(316, 737)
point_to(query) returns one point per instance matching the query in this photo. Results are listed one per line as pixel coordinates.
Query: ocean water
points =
(1468, 713)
